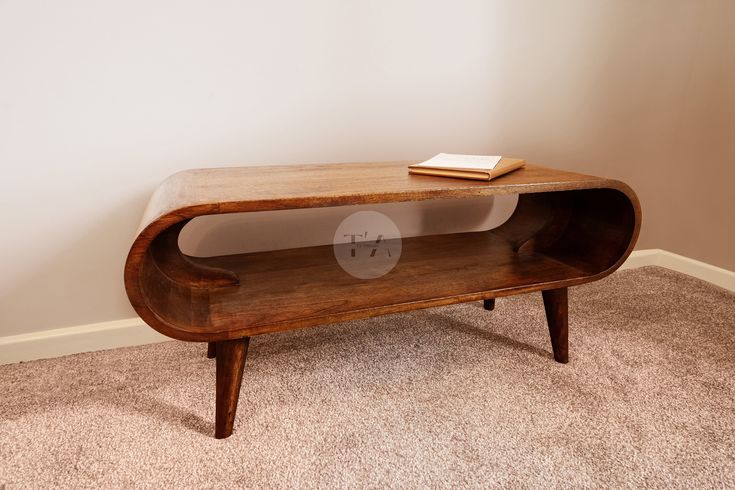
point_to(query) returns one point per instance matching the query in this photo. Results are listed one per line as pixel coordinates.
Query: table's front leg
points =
(231, 355)
(557, 316)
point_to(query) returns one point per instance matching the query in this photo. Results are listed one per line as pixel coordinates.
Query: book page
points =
(469, 162)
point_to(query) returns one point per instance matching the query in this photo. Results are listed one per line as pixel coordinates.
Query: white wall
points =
(101, 100)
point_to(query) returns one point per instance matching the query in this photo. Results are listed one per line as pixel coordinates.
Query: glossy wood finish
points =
(489, 304)
(567, 229)
(211, 350)
(557, 314)
(231, 355)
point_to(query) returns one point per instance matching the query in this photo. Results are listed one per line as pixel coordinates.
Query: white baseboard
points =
(73, 340)
(706, 272)
(132, 331)
(641, 258)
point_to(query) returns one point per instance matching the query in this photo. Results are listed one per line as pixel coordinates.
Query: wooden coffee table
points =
(567, 229)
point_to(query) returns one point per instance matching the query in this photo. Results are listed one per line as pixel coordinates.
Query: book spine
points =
(509, 167)
(450, 173)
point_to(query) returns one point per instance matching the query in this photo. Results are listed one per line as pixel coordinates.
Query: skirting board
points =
(701, 270)
(74, 340)
(132, 331)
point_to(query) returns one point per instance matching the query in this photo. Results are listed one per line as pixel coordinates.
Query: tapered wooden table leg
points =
(557, 308)
(231, 356)
(489, 304)
(211, 350)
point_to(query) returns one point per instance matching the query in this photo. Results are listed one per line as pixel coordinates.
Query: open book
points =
(476, 167)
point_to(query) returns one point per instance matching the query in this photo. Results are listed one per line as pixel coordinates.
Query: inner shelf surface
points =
(306, 286)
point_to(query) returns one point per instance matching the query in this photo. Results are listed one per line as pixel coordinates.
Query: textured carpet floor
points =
(451, 396)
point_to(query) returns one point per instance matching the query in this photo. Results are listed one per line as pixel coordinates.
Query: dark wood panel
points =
(287, 289)
(291, 288)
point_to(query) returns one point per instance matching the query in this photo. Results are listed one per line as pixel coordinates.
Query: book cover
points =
(474, 167)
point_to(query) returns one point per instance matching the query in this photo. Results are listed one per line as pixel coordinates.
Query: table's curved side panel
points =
(594, 229)
(602, 231)
(168, 290)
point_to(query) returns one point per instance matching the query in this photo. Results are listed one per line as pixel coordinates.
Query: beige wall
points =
(642, 91)
(101, 100)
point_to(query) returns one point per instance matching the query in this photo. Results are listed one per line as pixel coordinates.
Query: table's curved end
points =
(168, 289)
(628, 225)
(593, 229)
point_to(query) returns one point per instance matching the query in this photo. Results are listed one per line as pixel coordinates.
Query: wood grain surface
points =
(240, 189)
(567, 229)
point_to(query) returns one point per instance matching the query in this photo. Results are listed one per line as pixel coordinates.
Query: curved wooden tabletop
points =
(197, 192)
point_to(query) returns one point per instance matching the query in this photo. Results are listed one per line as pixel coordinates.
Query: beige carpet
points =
(447, 397)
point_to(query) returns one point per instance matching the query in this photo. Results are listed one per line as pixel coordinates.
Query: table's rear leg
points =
(557, 308)
(211, 350)
(489, 304)
(231, 356)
